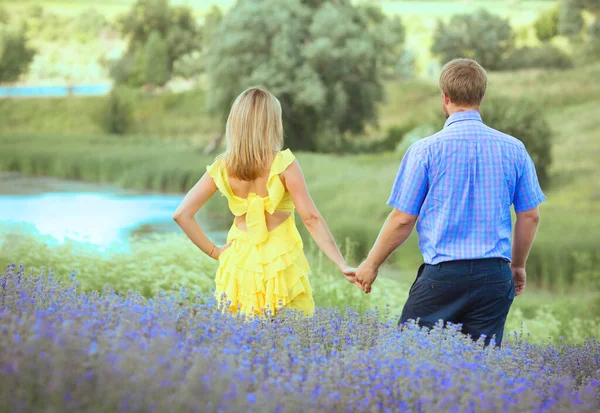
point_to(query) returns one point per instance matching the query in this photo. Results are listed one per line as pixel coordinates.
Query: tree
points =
(211, 21)
(15, 54)
(546, 26)
(116, 115)
(177, 28)
(323, 59)
(89, 24)
(524, 119)
(481, 36)
(570, 20)
(156, 60)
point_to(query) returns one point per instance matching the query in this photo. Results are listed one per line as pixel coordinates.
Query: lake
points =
(53, 91)
(103, 215)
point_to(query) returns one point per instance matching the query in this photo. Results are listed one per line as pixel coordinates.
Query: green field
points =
(59, 137)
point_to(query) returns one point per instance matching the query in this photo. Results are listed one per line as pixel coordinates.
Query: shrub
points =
(546, 26)
(481, 36)
(388, 143)
(544, 57)
(106, 352)
(15, 53)
(524, 119)
(570, 21)
(591, 48)
(116, 116)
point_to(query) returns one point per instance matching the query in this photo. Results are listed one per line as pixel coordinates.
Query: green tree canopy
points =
(546, 26)
(156, 60)
(570, 21)
(175, 25)
(481, 36)
(323, 59)
(15, 53)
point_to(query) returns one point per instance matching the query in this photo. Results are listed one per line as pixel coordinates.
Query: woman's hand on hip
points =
(216, 254)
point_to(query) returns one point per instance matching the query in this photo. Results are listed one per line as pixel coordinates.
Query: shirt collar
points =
(460, 116)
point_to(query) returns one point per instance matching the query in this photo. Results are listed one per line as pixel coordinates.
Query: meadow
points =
(139, 331)
(71, 351)
(60, 137)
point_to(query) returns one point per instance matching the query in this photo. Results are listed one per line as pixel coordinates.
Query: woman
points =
(262, 266)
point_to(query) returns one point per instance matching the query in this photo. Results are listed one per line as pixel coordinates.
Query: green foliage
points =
(324, 60)
(153, 26)
(156, 60)
(543, 57)
(570, 19)
(169, 262)
(211, 22)
(4, 16)
(15, 53)
(590, 52)
(525, 120)
(88, 25)
(390, 142)
(481, 36)
(154, 264)
(117, 114)
(546, 26)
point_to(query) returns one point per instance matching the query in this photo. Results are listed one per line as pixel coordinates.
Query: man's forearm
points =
(395, 231)
(524, 235)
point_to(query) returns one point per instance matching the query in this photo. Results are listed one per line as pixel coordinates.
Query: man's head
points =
(463, 83)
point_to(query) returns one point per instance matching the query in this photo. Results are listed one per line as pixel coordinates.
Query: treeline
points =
(326, 60)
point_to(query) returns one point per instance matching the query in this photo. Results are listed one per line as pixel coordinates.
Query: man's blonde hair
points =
(464, 81)
(253, 134)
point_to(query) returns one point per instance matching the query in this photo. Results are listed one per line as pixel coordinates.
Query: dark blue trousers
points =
(475, 293)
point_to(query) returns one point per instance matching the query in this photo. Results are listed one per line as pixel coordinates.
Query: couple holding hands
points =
(457, 186)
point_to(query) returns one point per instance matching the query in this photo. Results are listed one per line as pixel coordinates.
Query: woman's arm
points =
(294, 181)
(184, 215)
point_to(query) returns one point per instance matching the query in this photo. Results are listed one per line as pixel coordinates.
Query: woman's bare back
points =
(257, 186)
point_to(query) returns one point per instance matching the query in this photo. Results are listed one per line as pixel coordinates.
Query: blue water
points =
(53, 91)
(100, 215)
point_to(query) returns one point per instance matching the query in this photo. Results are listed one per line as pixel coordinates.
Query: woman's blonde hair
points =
(253, 134)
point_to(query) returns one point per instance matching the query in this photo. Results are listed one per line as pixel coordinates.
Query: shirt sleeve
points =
(411, 185)
(528, 193)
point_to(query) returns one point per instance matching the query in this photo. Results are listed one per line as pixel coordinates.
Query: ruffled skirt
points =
(267, 276)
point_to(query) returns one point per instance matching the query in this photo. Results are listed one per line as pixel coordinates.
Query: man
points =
(460, 183)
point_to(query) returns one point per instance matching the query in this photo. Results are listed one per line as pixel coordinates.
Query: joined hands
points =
(363, 277)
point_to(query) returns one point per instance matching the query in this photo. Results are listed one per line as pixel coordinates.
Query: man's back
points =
(462, 182)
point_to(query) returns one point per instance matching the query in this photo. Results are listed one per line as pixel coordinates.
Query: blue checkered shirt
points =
(461, 182)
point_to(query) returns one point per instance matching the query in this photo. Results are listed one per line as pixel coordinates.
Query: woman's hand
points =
(216, 254)
(350, 274)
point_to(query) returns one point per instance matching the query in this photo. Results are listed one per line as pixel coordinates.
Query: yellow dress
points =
(262, 270)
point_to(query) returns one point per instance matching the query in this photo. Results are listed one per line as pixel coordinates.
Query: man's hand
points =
(366, 275)
(350, 274)
(520, 279)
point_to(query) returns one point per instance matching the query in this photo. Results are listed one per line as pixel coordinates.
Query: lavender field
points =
(63, 350)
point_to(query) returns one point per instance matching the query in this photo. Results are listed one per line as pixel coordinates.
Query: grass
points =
(164, 264)
(170, 159)
(183, 116)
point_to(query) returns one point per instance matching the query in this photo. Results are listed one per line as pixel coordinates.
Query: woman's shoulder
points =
(282, 161)
(216, 167)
